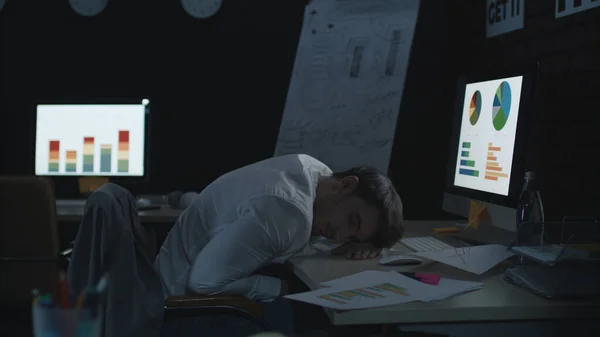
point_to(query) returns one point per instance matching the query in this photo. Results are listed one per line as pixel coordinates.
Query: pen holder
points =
(58, 322)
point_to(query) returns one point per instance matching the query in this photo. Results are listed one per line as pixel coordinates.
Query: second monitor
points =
(487, 135)
(486, 161)
(91, 140)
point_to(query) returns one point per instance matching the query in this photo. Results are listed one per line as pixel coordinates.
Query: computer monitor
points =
(487, 149)
(107, 140)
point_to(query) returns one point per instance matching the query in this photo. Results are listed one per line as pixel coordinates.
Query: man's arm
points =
(262, 233)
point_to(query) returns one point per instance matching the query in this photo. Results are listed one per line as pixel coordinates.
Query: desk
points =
(497, 301)
(165, 215)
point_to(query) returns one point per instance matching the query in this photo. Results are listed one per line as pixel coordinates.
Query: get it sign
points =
(503, 16)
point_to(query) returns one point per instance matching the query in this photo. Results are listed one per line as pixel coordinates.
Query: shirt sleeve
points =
(263, 232)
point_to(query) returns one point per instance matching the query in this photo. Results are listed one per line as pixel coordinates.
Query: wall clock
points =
(88, 7)
(201, 9)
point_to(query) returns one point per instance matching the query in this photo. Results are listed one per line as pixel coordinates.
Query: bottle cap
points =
(529, 175)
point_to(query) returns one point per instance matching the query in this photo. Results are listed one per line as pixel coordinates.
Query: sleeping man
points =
(266, 212)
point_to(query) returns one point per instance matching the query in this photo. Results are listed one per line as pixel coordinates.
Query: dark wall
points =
(217, 87)
(565, 142)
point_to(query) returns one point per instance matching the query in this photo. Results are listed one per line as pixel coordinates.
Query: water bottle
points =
(531, 212)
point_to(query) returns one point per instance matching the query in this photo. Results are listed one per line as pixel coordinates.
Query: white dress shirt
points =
(246, 219)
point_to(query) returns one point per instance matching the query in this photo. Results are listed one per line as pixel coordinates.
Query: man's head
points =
(360, 204)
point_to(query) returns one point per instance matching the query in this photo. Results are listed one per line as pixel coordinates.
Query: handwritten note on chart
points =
(347, 84)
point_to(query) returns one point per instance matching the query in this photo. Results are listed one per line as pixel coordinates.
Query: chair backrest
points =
(29, 240)
(111, 240)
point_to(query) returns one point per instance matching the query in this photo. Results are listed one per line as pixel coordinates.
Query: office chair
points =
(118, 206)
(29, 251)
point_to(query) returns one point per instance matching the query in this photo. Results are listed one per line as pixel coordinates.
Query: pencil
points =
(63, 291)
(81, 299)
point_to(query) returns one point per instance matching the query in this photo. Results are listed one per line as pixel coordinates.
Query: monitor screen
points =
(487, 135)
(90, 140)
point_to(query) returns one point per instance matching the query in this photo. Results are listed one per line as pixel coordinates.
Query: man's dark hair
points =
(376, 189)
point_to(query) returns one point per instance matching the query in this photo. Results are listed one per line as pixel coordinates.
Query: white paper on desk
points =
(386, 289)
(372, 288)
(446, 288)
(347, 83)
(476, 259)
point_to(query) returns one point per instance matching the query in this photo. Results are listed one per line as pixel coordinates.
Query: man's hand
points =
(357, 250)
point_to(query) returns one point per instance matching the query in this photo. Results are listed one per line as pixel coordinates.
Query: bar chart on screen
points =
(90, 140)
(487, 135)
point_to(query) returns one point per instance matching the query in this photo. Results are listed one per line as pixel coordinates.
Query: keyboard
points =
(425, 244)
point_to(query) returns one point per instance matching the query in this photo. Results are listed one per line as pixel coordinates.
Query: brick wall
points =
(565, 135)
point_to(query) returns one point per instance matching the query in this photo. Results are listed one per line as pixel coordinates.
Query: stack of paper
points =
(370, 289)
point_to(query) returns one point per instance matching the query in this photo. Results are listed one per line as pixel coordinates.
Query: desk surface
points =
(166, 214)
(497, 301)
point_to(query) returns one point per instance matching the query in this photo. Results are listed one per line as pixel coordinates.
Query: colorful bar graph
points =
(105, 157)
(467, 163)
(493, 170)
(53, 155)
(392, 288)
(71, 161)
(123, 152)
(373, 292)
(468, 172)
(332, 299)
(88, 154)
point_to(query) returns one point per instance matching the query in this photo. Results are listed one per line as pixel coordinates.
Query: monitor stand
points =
(499, 216)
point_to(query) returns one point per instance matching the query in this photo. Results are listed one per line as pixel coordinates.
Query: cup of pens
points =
(58, 316)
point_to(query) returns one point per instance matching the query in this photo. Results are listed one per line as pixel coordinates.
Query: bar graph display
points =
(53, 155)
(466, 165)
(71, 161)
(380, 291)
(123, 159)
(493, 170)
(90, 140)
(487, 135)
(88, 154)
(105, 158)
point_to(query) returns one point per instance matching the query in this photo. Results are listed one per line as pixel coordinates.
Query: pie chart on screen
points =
(475, 108)
(501, 107)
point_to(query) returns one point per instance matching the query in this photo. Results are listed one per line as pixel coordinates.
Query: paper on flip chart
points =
(346, 87)
(371, 289)
(476, 259)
